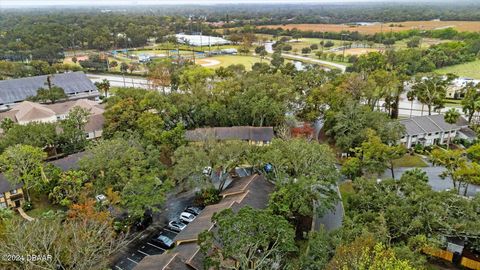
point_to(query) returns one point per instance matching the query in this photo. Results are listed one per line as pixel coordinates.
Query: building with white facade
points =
(200, 40)
(432, 129)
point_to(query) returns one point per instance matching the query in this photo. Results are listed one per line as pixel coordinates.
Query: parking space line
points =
(118, 267)
(132, 260)
(144, 253)
(156, 246)
(168, 230)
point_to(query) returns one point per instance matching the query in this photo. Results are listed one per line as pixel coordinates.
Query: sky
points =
(6, 3)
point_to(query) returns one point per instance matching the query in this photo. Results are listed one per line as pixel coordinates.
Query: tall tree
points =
(103, 86)
(73, 129)
(23, 164)
(208, 164)
(159, 74)
(451, 117)
(471, 100)
(252, 238)
(377, 156)
(431, 90)
(72, 244)
(52, 94)
(452, 160)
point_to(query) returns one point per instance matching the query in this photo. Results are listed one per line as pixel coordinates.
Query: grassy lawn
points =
(409, 161)
(346, 190)
(469, 70)
(227, 60)
(41, 204)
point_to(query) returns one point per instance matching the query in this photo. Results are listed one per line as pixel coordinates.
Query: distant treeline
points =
(46, 36)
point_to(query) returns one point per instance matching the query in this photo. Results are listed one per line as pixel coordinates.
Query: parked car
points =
(176, 225)
(165, 241)
(187, 217)
(193, 210)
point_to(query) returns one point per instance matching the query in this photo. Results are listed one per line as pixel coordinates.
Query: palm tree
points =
(411, 98)
(431, 90)
(451, 117)
(103, 86)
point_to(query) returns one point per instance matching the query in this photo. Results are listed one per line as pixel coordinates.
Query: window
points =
(13, 191)
(3, 205)
(429, 134)
(1, 195)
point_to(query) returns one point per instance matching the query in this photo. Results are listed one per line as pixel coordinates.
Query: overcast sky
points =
(177, 2)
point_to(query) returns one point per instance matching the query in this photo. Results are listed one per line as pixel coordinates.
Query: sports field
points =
(468, 70)
(227, 60)
(472, 26)
(358, 51)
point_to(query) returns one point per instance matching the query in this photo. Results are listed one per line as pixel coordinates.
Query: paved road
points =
(269, 49)
(313, 60)
(125, 81)
(333, 219)
(146, 243)
(434, 180)
(120, 81)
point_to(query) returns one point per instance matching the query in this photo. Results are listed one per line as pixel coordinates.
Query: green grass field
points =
(346, 190)
(469, 70)
(409, 161)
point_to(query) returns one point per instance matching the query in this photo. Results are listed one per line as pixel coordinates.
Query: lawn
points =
(227, 60)
(409, 161)
(346, 190)
(41, 204)
(468, 70)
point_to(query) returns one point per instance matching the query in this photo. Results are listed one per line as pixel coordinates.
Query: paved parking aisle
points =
(149, 247)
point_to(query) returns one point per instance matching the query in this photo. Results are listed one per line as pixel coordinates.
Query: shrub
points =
(207, 196)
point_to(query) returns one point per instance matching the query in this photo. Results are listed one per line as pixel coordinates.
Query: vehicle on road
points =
(165, 241)
(176, 225)
(187, 217)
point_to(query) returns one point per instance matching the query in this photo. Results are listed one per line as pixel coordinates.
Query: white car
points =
(187, 217)
(176, 226)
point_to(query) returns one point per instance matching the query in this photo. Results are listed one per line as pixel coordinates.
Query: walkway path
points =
(269, 49)
(24, 215)
(313, 60)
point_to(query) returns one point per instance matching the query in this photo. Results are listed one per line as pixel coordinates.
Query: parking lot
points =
(148, 247)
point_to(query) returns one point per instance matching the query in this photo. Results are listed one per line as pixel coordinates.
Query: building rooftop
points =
(250, 191)
(230, 133)
(6, 185)
(429, 124)
(27, 111)
(17, 90)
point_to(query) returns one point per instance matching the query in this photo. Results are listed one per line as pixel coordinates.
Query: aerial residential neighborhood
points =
(246, 135)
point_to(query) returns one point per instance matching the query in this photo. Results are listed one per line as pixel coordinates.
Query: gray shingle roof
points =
(468, 132)
(427, 124)
(231, 133)
(17, 90)
(5, 185)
